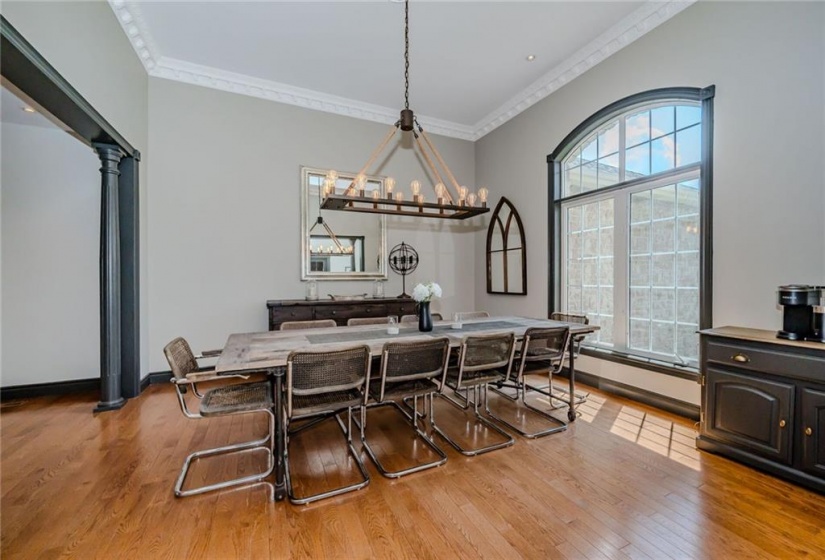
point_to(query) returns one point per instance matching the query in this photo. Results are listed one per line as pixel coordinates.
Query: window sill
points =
(689, 373)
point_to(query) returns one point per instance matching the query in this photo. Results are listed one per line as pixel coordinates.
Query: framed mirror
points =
(340, 245)
(506, 252)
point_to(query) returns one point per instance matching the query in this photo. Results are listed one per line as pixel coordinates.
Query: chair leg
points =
(471, 452)
(228, 449)
(413, 419)
(347, 430)
(558, 425)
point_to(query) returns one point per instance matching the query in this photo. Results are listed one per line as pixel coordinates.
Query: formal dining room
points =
(412, 279)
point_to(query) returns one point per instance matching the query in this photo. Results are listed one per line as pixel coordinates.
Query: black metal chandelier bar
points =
(353, 199)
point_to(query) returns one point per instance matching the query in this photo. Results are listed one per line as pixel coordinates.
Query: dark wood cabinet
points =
(812, 414)
(763, 402)
(339, 310)
(751, 413)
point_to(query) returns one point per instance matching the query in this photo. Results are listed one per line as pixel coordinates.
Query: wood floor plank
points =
(624, 481)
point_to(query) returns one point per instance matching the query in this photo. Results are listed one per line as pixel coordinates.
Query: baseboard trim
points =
(155, 378)
(649, 398)
(55, 388)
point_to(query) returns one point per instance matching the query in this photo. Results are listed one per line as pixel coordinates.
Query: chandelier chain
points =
(407, 54)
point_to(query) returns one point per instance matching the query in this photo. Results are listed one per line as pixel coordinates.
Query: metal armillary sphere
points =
(403, 260)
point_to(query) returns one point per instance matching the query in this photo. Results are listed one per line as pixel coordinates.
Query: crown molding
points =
(632, 27)
(635, 25)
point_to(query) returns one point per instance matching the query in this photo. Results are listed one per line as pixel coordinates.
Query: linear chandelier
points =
(463, 205)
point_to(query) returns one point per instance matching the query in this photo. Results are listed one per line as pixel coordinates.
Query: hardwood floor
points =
(625, 481)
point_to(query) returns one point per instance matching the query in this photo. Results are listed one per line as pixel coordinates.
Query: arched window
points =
(630, 225)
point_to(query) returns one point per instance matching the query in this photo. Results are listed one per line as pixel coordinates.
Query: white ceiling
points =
(11, 111)
(468, 72)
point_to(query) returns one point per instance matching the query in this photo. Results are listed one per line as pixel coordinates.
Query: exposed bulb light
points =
(28, 109)
(530, 57)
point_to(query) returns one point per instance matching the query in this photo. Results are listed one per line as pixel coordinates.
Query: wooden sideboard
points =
(339, 310)
(763, 402)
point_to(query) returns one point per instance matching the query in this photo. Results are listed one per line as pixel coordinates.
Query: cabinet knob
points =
(741, 358)
(333, 312)
(808, 431)
(782, 423)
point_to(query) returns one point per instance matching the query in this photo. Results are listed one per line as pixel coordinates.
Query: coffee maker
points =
(818, 325)
(798, 303)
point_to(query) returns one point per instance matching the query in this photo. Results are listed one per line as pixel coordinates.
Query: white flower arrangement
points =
(425, 292)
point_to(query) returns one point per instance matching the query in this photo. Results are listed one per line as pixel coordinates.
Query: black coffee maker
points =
(818, 326)
(798, 303)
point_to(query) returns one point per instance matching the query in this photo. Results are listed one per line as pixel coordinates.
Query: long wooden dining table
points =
(268, 351)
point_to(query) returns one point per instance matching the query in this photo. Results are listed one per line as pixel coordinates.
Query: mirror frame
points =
(504, 230)
(306, 273)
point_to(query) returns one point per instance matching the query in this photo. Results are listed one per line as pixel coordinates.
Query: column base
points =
(109, 405)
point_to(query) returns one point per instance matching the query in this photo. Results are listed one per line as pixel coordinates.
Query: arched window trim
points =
(704, 96)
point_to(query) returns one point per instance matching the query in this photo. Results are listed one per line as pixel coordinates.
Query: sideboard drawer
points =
(765, 359)
(278, 315)
(401, 308)
(344, 312)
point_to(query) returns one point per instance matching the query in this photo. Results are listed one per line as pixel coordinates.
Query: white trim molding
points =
(646, 18)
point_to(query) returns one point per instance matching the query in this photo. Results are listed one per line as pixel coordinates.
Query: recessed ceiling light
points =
(531, 57)
(29, 109)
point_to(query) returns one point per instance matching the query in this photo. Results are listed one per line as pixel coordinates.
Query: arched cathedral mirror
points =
(506, 252)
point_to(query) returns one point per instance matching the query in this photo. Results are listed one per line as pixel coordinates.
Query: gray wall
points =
(767, 61)
(85, 43)
(50, 231)
(224, 211)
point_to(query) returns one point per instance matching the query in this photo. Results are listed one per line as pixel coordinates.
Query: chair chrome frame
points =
(185, 373)
(390, 350)
(560, 393)
(479, 391)
(319, 416)
(556, 357)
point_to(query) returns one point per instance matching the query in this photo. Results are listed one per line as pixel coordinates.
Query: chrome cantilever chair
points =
(410, 370)
(414, 318)
(320, 385)
(539, 344)
(575, 346)
(298, 325)
(479, 359)
(241, 398)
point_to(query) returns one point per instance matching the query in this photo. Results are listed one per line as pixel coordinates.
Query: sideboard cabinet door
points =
(813, 431)
(751, 412)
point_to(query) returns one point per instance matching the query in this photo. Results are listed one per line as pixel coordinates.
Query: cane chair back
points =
(480, 359)
(355, 321)
(180, 357)
(326, 380)
(569, 317)
(404, 362)
(469, 315)
(545, 344)
(414, 318)
(298, 325)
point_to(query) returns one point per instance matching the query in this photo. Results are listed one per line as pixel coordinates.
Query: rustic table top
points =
(262, 350)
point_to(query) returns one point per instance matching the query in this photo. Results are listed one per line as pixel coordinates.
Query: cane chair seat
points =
(409, 370)
(321, 385)
(310, 405)
(403, 389)
(243, 398)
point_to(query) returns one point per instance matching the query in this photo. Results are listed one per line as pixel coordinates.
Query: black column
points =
(129, 216)
(110, 364)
